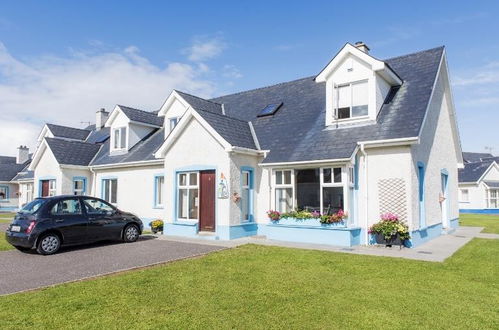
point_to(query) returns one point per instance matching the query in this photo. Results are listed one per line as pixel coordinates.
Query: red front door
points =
(45, 188)
(207, 201)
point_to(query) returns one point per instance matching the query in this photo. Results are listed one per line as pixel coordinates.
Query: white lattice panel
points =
(392, 197)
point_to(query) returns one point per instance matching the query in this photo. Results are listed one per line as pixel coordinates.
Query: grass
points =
(265, 287)
(489, 222)
(6, 217)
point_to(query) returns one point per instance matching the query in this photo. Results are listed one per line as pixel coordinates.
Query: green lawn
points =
(490, 222)
(6, 217)
(271, 287)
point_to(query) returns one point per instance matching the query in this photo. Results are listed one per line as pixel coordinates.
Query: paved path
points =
(436, 250)
(20, 271)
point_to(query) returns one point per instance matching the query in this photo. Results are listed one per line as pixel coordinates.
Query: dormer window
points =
(119, 138)
(352, 100)
(173, 122)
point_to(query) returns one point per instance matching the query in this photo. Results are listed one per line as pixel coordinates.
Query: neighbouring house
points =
(364, 136)
(479, 183)
(13, 194)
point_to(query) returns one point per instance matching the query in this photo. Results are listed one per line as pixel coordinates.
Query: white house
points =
(479, 184)
(364, 135)
(12, 194)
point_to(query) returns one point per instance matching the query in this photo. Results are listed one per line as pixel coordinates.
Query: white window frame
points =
(462, 195)
(79, 192)
(336, 107)
(343, 183)
(188, 186)
(490, 198)
(121, 130)
(159, 194)
(52, 187)
(7, 192)
(29, 192)
(247, 201)
(107, 183)
(283, 186)
(172, 125)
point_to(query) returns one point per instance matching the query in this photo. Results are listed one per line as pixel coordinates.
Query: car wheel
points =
(48, 244)
(131, 233)
(22, 248)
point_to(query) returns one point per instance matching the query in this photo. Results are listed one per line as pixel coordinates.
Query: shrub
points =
(389, 226)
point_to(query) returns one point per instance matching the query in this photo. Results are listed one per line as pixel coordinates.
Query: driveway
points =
(20, 271)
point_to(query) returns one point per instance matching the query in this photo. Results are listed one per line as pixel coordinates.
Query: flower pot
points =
(394, 240)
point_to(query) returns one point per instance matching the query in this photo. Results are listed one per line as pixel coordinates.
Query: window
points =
(110, 190)
(79, 186)
(66, 207)
(246, 195)
(283, 191)
(352, 100)
(332, 190)
(421, 193)
(188, 196)
(465, 195)
(29, 193)
(52, 188)
(4, 193)
(159, 183)
(332, 175)
(119, 138)
(308, 189)
(97, 207)
(173, 122)
(493, 198)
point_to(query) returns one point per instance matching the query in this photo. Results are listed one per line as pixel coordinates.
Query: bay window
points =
(188, 196)
(283, 191)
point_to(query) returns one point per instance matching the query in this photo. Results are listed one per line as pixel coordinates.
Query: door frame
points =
(214, 199)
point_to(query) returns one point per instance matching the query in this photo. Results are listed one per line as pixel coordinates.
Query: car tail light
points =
(30, 227)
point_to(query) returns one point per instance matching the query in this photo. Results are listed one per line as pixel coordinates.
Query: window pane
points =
(116, 138)
(245, 201)
(284, 202)
(245, 179)
(308, 189)
(193, 203)
(67, 207)
(3, 193)
(123, 138)
(343, 113)
(337, 174)
(114, 191)
(332, 199)
(183, 204)
(278, 177)
(327, 175)
(344, 97)
(173, 123)
(287, 177)
(193, 179)
(182, 179)
(106, 190)
(360, 99)
(159, 190)
(94, 206)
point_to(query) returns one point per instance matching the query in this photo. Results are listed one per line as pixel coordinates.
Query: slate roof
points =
(472, 157)
(200, 103)
(7, 160)
(492, 184)
(24, 175)
(68, 132)
(297, 133)
(143, 150)
(99, 136)
(473, 171)
(72, 152)
(236, 132)
(142, 116)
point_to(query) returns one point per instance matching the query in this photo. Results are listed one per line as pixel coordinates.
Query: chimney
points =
(100, 118)
(362, 46)
(22, 154)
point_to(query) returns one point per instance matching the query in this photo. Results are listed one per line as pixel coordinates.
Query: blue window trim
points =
(45, 178)
(251, 171)
(7, 191)
(444, 175)
(102, 187)
(155, 193)
(421, 195)
(80, 178)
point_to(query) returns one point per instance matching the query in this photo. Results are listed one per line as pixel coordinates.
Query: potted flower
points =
(390, 230)
(274, 215)
(335, 218)
(156, 226)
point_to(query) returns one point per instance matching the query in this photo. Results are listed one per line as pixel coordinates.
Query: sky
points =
(61, 61)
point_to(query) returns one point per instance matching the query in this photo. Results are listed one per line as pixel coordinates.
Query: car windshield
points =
(32, 207)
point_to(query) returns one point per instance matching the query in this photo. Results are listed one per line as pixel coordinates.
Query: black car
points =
(46, 224)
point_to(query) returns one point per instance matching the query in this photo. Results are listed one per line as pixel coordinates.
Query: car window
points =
(66, 207)
(95, 206)
(32, 206)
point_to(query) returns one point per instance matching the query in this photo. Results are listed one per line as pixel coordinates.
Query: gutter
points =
(306, 162)
(364, 155)
(130, 164)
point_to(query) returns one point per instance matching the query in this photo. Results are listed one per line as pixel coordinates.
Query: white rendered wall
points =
(176, 110)
(47, 167)
(137, 133)
(68, 174)
(477, 195)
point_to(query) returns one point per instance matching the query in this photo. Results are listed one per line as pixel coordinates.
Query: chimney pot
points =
(362, 46)
(22, 154)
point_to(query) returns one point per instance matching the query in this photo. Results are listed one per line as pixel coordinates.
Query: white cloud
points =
(231, 71)
(203, 48)
(486, 74)
(68, 90)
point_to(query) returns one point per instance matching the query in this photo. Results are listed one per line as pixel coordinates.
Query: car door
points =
(104, 220)
(69, 219)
